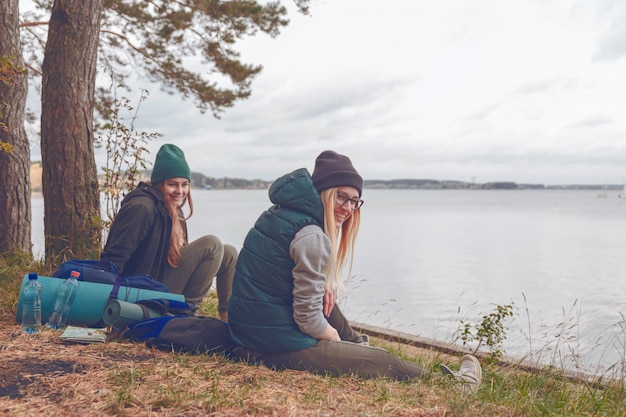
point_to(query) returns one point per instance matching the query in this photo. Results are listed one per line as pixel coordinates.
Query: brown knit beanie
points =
(335, 170)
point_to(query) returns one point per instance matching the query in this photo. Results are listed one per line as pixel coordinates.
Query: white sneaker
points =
(469, 376)
(471, 373)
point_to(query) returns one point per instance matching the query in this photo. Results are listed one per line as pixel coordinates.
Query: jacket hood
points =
(295, 191)
(145, 190)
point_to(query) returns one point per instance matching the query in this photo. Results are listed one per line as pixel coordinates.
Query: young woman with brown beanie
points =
(149, 236)
(282, 312)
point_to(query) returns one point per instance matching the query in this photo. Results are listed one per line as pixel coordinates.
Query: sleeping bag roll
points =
(90, 300)
(121, 313)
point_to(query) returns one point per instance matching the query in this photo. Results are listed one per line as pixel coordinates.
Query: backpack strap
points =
(116, 287)
(169, 307)
(118, 279)
(145, 311)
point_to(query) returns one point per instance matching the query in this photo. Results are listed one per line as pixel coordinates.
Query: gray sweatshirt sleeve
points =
(310, 250)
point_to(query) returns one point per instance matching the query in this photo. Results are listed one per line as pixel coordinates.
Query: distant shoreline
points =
(488, 186)
(200, 181)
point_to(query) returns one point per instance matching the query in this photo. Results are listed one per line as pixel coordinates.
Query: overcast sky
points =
(531, 91)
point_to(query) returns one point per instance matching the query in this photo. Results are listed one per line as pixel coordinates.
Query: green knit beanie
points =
(170, 163)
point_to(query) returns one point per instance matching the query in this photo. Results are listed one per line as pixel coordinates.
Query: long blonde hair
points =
(343, 241)
(178, 237)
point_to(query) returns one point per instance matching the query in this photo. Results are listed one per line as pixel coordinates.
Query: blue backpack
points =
(105, 272)
(189, 334)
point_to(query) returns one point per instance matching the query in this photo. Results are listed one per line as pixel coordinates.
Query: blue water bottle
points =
(31, 305)
(63, 304)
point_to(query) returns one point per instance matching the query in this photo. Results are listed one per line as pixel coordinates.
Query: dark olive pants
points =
(203, 260)
(347, 357)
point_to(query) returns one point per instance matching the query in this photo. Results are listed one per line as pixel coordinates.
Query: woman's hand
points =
(223, 316)
(330, 297)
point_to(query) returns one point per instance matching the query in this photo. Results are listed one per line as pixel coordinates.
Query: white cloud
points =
(518, 90)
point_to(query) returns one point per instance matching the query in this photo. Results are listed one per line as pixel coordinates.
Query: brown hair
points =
(178, 238)
(343, 241)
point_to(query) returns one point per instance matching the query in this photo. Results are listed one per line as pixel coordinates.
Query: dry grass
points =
(44, 376)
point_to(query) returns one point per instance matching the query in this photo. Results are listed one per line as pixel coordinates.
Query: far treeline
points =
(200, 181)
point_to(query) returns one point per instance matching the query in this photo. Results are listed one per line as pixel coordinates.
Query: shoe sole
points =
(445, 370)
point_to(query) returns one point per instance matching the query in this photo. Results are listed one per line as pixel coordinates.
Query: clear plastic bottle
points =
(63, 304)
(31, 305)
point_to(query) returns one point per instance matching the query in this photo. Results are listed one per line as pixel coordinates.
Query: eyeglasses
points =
(342, 199)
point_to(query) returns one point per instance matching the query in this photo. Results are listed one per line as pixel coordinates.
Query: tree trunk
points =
(15, 208)
(72, 221)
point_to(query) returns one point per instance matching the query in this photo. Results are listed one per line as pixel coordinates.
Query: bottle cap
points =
(32, 275)
(75, 274)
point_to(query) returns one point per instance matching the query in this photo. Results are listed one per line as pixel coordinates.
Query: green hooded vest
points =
(260, 310)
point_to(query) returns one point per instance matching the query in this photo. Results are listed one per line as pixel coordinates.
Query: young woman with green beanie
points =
(149, 236)
(282, 311)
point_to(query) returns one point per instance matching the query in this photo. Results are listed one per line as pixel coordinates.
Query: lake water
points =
(427, 259)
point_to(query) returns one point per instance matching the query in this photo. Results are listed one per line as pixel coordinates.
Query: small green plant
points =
(491, 331)
(125, 148)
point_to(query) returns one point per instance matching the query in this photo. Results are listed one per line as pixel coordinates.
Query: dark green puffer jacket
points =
(260, 310)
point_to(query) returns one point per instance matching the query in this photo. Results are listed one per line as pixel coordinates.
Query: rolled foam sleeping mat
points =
(90, 299)
(121, 313)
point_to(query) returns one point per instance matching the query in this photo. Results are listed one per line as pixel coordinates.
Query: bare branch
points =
(29, 24)
(33, 69)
